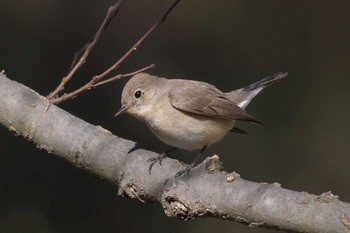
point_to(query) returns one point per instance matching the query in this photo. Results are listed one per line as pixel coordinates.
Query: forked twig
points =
(139, 42)
(95, 81)
(85, 51)
(92, 83)
(119, 76)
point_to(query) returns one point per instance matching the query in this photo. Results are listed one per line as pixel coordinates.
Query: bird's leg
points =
(159, 159)
(193, 164)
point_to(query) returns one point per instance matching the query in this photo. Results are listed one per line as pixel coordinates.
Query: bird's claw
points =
(187, 170)
(153, 161)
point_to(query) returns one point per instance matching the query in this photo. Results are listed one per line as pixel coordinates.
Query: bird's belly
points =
(189, 131)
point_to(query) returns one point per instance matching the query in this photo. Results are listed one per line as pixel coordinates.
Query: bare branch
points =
(112, 12)
(93, 84)
(116, 65)
(76, 64)
(119, 76)
(207, 192)
(139, 42)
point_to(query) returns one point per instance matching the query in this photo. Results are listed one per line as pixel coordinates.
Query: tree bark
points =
(208, 191)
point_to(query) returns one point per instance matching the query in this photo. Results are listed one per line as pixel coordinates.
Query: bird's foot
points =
(153, 161)
(159, 159)
(191, 165)
(187, 170)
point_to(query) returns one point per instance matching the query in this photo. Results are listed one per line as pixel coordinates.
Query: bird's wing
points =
(204, 99)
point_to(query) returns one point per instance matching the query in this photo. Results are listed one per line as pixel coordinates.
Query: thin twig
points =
(112, 12)
(97, 78)
(119, 76)
(85, 51)
(139, 42)
(92, 84)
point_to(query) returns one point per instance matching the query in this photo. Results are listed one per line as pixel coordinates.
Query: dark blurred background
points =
(230, 44)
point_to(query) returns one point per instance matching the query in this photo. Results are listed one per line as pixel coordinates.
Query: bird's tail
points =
(265, 82)
(243, 96)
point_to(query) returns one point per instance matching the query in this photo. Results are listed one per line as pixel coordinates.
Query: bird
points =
(188, 114)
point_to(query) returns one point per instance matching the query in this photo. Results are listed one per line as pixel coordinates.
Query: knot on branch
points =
(175, 207)
(345, 218)
(186, 205)
(212, 164)
(232, 176)
(325, 197)
(29, 131)
(132, 191)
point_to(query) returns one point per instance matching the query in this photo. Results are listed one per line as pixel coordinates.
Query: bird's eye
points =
(138, 94)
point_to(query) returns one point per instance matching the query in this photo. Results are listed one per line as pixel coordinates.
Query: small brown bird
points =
(188, 114)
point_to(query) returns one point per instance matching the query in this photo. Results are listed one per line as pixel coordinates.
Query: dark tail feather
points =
(265, 82)
(238, 130)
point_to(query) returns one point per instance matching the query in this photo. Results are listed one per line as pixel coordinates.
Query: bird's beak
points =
(122, 110)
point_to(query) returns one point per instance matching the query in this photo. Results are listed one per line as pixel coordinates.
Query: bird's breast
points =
(185, 130)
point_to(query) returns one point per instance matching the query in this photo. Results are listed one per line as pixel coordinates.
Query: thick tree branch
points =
(207, 191)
